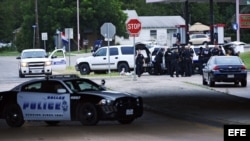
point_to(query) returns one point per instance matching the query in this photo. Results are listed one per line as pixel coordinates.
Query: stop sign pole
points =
(134, 27)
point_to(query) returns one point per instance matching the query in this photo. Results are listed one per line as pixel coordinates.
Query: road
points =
(176, 109)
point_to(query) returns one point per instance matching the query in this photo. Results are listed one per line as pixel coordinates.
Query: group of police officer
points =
(180, 60)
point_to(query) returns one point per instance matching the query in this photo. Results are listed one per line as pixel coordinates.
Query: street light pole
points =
(78, 34)
(34, 35)
(37, 42)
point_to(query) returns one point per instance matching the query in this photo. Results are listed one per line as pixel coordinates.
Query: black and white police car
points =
(67, 97)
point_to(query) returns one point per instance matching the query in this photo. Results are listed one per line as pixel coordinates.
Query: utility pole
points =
(78, 28)
(37, 43)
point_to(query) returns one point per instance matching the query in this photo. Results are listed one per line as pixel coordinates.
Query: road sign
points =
(44, 36)
(69, 33)
(134, 27)
(235, 26)
(108, 31)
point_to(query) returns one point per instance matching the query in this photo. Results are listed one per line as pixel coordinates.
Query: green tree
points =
(61, 14)
(10, 19)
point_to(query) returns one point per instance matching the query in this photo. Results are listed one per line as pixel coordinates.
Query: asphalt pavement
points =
(186, 98)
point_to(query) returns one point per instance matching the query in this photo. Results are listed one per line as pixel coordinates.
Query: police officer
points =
(174, 64)
(215, 51)
(181, 60)
(206, 54)
(158, 61)
(139, 63)
(200, 60)
(167, 57)
(188, 60)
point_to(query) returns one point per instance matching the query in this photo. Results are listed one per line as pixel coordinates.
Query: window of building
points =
(153, 34)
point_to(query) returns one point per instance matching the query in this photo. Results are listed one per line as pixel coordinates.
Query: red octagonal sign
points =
(134, 27)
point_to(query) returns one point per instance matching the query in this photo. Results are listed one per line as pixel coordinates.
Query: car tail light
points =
(243, 67)
(216, 68)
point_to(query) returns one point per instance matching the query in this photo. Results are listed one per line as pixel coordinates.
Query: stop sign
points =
(134, 27)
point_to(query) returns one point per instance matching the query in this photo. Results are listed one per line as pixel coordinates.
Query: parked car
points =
(235, 46)
(67, 97)
(121, 57)
(199, 39)
(224, 69)
(37, 62)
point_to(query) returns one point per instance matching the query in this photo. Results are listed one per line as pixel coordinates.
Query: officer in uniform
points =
(158, 61)
(200, 60)
(139, 63)
(215, 51)
(167, 57)
(188, 60)
(174, 64)
(206, 54)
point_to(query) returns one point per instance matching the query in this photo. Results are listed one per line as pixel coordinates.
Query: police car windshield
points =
(81, 85)
(34, 54)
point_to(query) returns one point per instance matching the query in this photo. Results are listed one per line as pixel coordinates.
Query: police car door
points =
(58, 59)
(38, 101)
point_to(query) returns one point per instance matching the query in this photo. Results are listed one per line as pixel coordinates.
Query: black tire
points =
(84, 69)
(52, 123)
(14, 116)
(204, 82)
(88, 114)
(204, 43)
(121, 66)
(243, 83)
(211, 83)
(126, 121)
(21, 75)
(236, 83)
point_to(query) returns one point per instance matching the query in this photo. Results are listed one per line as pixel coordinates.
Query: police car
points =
(67, 97)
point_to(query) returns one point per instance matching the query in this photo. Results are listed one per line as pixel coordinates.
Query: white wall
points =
(164, 37)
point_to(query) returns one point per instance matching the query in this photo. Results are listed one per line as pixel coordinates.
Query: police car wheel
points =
(52, 123)
(14, 116)
(126, 121)
(88, 114)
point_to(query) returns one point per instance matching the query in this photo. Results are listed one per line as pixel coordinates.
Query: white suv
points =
(199, 39)
(121, 57)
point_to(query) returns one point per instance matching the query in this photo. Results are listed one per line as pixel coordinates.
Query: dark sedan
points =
(67, 97)
(225, 69)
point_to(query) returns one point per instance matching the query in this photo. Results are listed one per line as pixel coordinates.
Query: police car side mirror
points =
(61, 91)
(18, 57)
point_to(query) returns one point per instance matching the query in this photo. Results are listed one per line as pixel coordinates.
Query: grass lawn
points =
(246, 59)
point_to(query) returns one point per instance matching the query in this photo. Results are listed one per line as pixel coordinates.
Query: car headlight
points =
(48, 63)
(105, 102)
(24, 64)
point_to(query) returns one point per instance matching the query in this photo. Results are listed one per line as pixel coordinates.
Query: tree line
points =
(17, 17)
